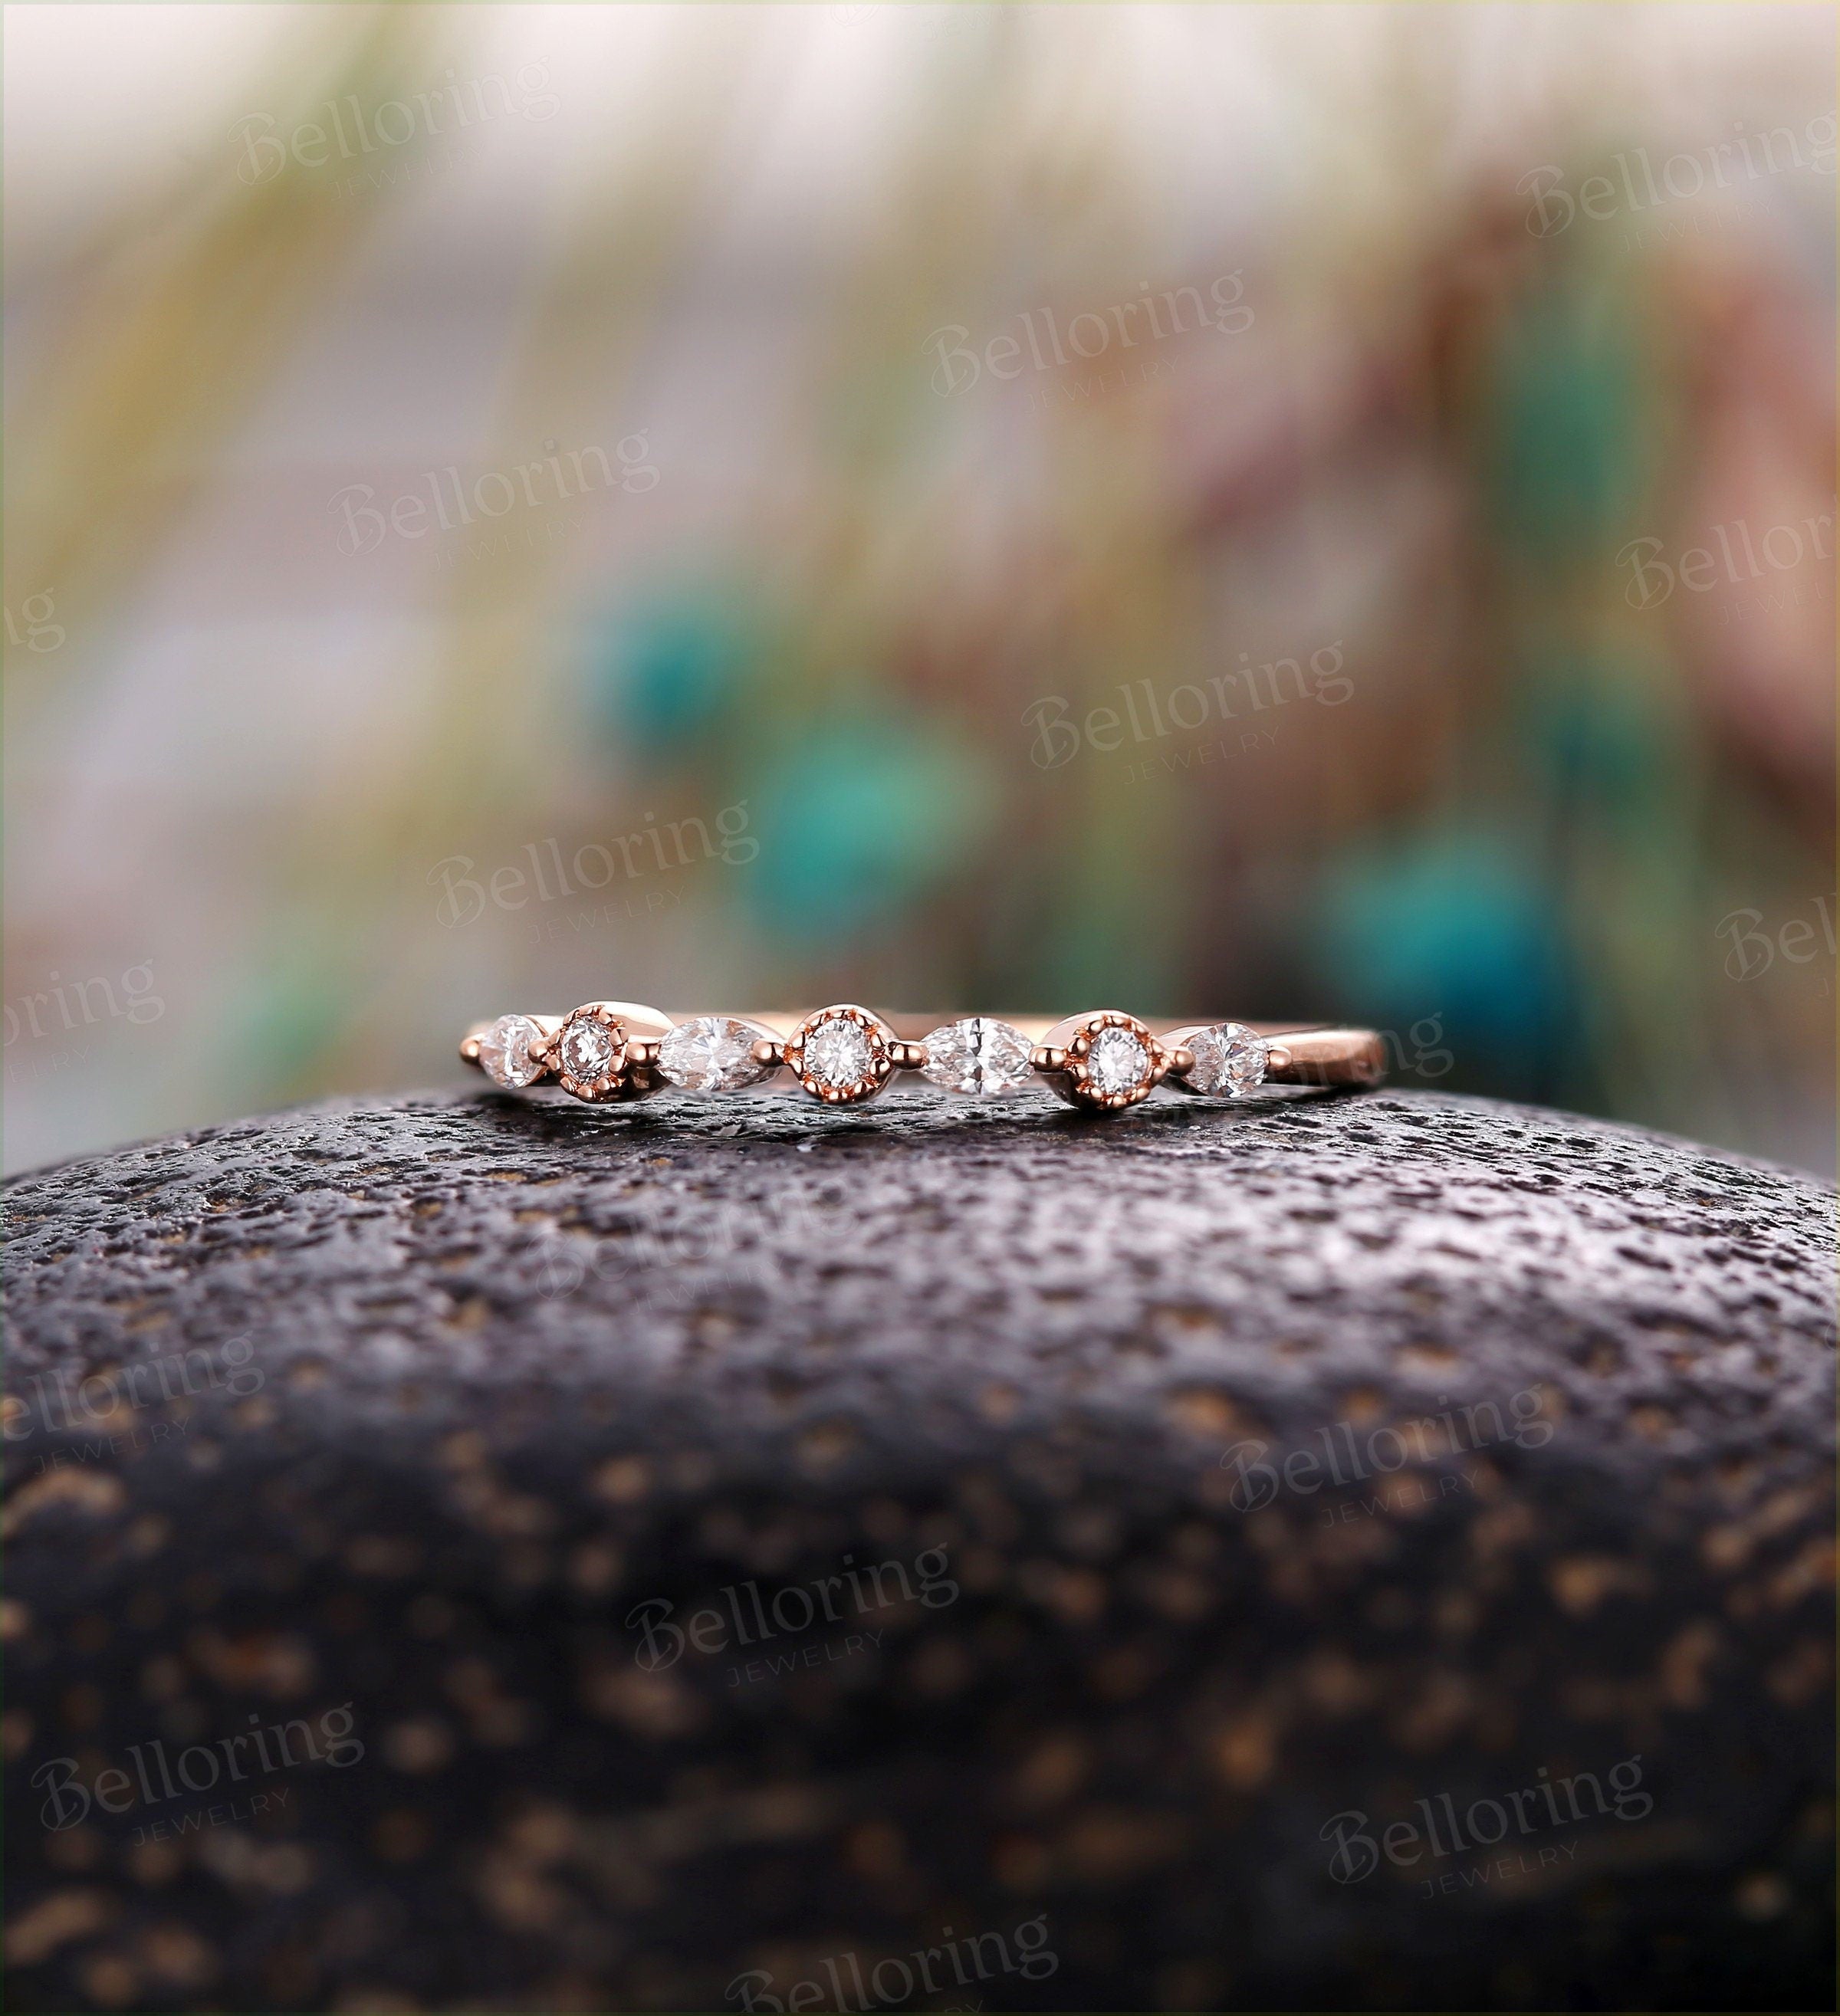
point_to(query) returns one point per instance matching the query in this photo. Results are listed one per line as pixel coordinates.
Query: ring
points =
(1102, 1061)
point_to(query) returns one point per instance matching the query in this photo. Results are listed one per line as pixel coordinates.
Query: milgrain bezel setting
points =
(607, 1084)
(884, 1049)
(1067, 1063)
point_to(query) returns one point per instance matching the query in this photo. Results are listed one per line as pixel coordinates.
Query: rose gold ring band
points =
(1103, 1060)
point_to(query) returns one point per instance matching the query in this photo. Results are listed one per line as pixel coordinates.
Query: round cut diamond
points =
(1230, 1062)
(711, 1053)
(504, 1051)
(589, 1047)
(1117, 1061)
(838, 1051)
(984, 1058)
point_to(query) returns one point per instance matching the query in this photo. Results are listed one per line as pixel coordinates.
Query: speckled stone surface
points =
(530, 1373)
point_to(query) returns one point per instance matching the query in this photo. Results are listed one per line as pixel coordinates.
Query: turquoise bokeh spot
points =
(661, 677)
(1566, 443)
(862, 818)
(1602, 734)
(1461, 926)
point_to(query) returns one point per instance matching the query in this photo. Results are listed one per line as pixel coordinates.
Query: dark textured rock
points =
(529, 1372)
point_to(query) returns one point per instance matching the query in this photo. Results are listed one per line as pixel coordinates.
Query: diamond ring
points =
(1103, 1060)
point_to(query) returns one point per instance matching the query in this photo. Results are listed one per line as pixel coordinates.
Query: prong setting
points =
(1222, 1060)
(718, 1054)
(512, 1051)
(979, 1056)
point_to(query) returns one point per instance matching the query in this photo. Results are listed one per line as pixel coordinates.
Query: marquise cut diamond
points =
(711, 1053)
(504, 1051)
(979, 1056)
(1231, 1060)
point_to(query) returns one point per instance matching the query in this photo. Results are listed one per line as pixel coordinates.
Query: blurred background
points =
(1266, 511)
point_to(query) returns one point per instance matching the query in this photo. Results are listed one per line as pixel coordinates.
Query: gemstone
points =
(984, 1058)
(504, 1051)
(838, 1051)
(1230, 1060)
(589, 1048)
(1117, 1061)
(712, 1053)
